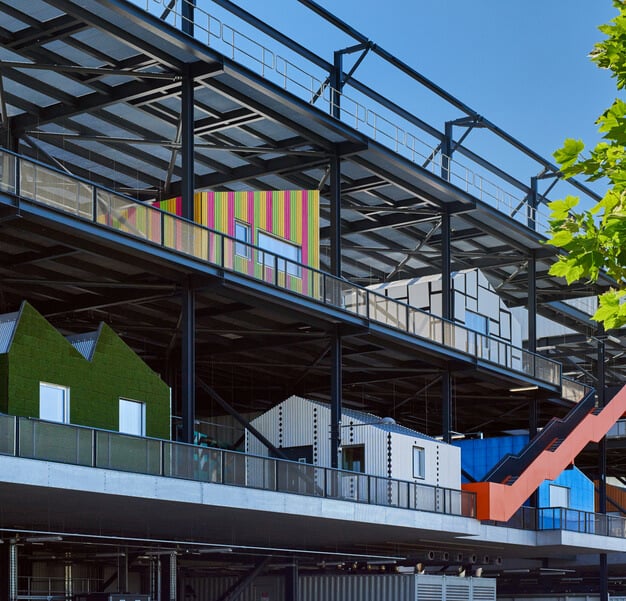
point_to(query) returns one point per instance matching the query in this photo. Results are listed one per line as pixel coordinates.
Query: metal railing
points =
(381, 123)
(36, 182)
(573, 520)
(78, 445)
(50, 587)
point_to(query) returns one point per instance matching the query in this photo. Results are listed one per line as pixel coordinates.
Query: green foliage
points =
(595, 240)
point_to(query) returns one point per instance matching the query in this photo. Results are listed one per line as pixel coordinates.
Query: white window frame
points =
(419, 463)
(142, 405)
(281, 249)
(242, 250)
(65, 419)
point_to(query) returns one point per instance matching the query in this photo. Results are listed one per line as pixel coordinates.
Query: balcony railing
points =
(86, 201)
(78, 445)
(286, 65)
(560, 518)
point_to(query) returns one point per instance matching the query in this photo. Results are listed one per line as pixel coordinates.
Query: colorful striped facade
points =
(288, 217)
(291, 215)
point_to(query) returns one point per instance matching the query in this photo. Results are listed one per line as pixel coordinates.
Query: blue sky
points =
(522, 65)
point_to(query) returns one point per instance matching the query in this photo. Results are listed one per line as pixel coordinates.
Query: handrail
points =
(33, 438)
(562, 518)
(500, 500)
(40, 183)
(514, 464)
(246, 49)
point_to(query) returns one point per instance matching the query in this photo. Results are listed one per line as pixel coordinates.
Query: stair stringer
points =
(498, 502)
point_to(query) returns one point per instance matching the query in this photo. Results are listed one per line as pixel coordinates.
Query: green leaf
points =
(568, 155)
(561, 238)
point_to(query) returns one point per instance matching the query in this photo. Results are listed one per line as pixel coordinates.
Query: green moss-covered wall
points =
(39, 353)
(4, 379)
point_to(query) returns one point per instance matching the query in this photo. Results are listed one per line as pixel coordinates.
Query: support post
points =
(532, 302)
(188, 16)
(531, 209)
(67, 577)
(604, 568)
(446, 151)
(291, 582)
(13, 570)
(447, 309)
(188, 363)
(335, 215)
(447, 312)
(336, 84)
(173, 576)
(187, 142)
(335, 398)
(4, 572)
(446, 406)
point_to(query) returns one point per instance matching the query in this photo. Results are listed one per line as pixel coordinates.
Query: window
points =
(280, 250)
(132, 417)
(353, 458)
(476, 322)
(242, 233)
(419, 470)
(54, 403)
(559, 496)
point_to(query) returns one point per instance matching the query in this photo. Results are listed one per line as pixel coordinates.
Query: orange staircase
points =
(499, 500)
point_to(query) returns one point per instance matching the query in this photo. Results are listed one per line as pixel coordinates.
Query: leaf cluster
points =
(595, 240)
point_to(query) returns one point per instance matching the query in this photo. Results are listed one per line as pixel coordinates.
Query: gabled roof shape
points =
(375, 421)
(85, 343)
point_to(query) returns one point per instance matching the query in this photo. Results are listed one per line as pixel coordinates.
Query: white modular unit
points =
(396, 587)
(351, 587)
(477, 306)
(371, 445)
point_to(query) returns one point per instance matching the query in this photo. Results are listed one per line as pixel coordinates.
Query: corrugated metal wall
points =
(353, 587)
(267, 588)
(299, 422)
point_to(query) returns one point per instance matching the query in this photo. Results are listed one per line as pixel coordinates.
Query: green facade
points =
(39, 353)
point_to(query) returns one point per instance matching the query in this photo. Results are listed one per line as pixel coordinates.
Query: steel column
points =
(601, 373)
(335, 398)
(187, 143)
(446, 406)
(447, 311)
(13, 570)
(188, 363)
(532, 302)
(336, 84)
(291, 582)
(531, 209)
(446, 151)
(335, 215)
(531, 272)
(173, 576)
(188, 16)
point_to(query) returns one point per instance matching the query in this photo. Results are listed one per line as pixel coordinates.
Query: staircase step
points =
(556, 443)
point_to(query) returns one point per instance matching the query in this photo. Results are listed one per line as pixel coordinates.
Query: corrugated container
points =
(267, 588)
(352, 587)
(396, 587)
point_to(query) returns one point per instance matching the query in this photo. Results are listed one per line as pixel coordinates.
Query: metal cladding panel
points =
(268, 588)
(395, 587)
(357, 587)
